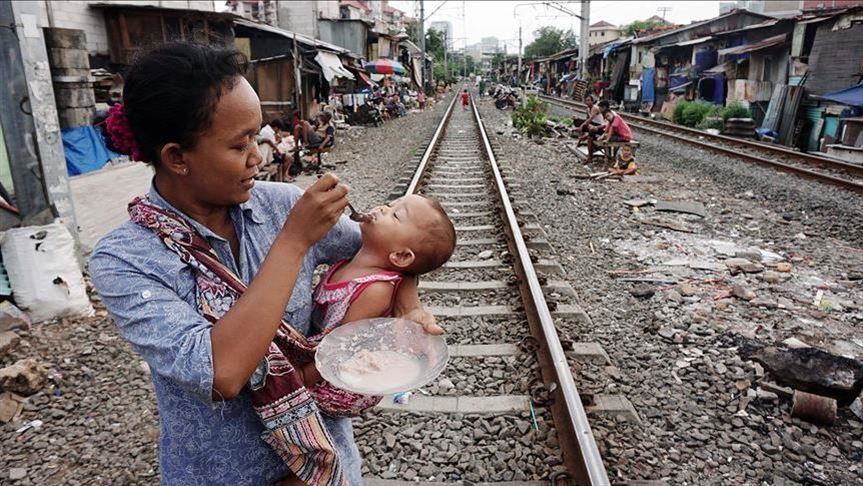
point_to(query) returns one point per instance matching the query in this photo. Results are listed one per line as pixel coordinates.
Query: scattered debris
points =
(26, 376)
(814, 371)
(643, 291)
(687, 207)
(485, 254)
(672, 225)
(637, 203)
(8, 341)
(12, 317)
(813, 408)
(10, 406)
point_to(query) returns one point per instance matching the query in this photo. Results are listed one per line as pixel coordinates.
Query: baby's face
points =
(396, 225)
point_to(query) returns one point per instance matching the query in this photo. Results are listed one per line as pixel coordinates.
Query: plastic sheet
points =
(85, 150)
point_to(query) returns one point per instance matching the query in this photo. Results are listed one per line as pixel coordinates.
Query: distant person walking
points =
(465, 99)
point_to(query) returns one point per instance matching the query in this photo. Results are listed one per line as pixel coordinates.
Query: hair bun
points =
(121, 133)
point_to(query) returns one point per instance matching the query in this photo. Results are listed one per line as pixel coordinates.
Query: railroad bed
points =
(506, 409)
(823, 169)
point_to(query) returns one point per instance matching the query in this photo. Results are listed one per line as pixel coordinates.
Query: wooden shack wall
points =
(274, 83)
(836, 59)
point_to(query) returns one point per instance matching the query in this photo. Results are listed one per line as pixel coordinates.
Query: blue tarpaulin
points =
(852, 96)
(648, 80)
(85, 150)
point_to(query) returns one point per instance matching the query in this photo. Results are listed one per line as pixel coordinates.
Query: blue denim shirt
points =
(150, 294)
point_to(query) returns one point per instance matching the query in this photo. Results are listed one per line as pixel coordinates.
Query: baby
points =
(410, 236)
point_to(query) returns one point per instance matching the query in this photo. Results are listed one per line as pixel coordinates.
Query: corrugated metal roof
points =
(303, 39)
(685, 43)
(755, 46)
(694, 25)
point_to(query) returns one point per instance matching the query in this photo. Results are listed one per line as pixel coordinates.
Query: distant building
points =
(791, 8)
(444, 26)
(490, 44)
(602, 32)
(264, 11)
(474, 51)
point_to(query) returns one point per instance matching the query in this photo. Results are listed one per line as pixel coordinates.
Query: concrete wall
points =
(77, 14)
(350, 35)
(302, 16)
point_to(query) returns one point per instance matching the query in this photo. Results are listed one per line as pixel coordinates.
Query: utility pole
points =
(445, 62)
(585, 28)
(518, 73)
(423, 46)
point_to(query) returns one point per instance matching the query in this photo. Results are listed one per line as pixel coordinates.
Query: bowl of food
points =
(381, 356)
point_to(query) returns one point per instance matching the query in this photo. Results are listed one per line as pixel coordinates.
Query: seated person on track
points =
(410, 236)
(616, 129)
(319, 134)
(594, 125)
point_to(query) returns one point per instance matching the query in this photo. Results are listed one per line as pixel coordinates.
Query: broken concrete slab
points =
(12, 317)
(8, 341)
(26, 377)
(814, 371)
(737, 265)
(637, 203)
(687, 207)
(10, 406)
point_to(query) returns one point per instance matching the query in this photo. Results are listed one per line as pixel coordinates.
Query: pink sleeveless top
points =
(332, 299)
(331, 303)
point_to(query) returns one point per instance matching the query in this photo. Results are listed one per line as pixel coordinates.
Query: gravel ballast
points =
(707, 414)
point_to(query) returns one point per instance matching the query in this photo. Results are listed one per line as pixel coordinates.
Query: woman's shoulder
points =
(275, 195)
(128, 246)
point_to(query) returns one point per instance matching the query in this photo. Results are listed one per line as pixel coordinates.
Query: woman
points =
(174, 278)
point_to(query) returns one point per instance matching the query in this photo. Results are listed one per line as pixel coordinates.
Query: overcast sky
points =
(501, 19)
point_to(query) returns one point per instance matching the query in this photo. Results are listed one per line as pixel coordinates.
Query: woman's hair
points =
(325, 115)
(170, 93)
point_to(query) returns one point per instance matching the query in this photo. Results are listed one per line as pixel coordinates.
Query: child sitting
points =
(410, 236)
(625, 163)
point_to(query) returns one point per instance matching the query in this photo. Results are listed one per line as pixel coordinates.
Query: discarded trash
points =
(814, 371)
(687, 207)
(402, 398)
(813, 408)
(33, 424)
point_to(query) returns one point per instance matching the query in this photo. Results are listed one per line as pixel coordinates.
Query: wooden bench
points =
(608, 149)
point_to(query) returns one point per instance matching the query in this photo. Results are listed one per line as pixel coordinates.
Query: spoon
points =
(358, 216)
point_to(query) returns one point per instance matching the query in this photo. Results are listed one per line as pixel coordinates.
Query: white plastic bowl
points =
(411, 358)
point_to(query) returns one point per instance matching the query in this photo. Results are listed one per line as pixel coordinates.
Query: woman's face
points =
(223, 164)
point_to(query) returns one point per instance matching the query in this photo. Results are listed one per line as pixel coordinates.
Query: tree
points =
(641, 26)
(435, 44)
(549, 40)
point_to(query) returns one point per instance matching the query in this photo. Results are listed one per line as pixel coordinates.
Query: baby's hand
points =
(311, 375)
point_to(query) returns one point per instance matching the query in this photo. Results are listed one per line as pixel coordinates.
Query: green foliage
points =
(640, 26)
(434, 44)
(711, 122)
(735, 110)
(530, 117)
(550, 40)
(692, 113)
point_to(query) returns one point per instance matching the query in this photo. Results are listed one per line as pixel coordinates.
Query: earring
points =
(185, 170)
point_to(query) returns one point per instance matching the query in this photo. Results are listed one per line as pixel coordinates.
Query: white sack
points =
(46, 280)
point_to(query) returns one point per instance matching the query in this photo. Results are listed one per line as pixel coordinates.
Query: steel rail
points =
(668, 128)
(589, 466)
(421, 167)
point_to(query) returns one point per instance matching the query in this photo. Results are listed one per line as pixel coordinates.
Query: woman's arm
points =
(242, 336)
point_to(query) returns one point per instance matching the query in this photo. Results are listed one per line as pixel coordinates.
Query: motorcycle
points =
(366, 114)
(504, 98)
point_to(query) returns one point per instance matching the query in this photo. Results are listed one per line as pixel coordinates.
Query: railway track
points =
(506, 410)
(823, 169)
